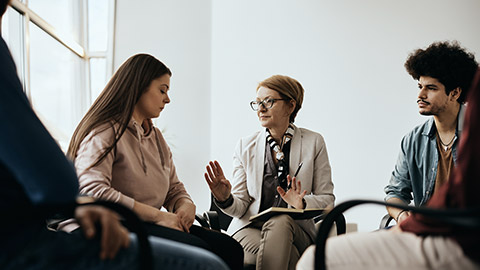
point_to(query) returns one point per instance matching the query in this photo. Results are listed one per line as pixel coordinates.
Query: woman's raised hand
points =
(217, 182)
(293, 196)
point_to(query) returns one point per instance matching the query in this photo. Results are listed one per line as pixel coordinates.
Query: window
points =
(100, 67)
(63, 52)
(12, 32)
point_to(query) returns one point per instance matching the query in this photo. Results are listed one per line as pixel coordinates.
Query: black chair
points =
(466, 218)
(130, 220)
(214, 219)
(136, 226)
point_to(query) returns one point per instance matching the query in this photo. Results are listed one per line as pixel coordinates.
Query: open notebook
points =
(294, 213)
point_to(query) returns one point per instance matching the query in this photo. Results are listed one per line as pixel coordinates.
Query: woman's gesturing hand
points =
(293, 196)
(219, 185)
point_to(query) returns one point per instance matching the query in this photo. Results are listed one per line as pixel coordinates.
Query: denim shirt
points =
(417, 163)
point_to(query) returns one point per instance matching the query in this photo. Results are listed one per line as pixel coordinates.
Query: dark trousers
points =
(224, 246)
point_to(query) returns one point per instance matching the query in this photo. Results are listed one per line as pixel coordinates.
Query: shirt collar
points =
(431, 129)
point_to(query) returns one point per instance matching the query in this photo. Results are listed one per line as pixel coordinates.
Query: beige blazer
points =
(248, 166)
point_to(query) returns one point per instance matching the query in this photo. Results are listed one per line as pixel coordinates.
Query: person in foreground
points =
(428, 153)
(419, 242)
(37, 181)
(121, 156)
(263, 165)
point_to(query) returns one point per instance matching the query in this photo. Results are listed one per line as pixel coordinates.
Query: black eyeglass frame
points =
(263, 103)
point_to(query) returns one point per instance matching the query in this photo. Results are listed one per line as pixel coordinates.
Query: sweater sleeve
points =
(96, 181)
(26, 148)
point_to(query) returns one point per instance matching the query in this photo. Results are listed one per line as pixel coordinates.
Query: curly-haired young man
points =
(420, 242)
(428, 153)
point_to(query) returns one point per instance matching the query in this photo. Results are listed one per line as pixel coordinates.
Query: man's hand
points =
(113, 235)
(398, 214)
(402, 216)
(396, 229)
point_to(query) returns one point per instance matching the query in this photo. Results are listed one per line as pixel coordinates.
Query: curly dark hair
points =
(447, 62)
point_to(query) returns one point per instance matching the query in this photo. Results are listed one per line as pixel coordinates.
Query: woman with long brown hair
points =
(120, 156)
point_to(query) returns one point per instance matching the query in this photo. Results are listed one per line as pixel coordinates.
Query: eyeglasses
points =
(266, 103)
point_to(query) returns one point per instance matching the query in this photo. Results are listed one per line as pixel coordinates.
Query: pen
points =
(295, 175)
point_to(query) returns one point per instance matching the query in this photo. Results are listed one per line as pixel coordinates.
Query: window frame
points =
(80, 49)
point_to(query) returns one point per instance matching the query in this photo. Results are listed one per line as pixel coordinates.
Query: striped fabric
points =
(282, 171)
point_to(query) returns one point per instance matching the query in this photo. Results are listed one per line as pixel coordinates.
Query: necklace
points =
(445, 146)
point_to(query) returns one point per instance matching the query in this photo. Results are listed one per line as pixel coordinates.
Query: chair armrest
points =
(340, 223)
(136, 226)
(213, 219)
(202, 220)
(209, 220)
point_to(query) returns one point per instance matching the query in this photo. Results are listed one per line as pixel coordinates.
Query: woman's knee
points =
(279, 222)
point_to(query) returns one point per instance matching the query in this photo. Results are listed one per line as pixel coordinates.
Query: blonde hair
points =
(288, 88)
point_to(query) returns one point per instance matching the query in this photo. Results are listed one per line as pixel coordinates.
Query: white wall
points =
(178, 33)
(348, 55)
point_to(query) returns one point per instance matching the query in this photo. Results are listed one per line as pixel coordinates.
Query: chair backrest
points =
(467, 218)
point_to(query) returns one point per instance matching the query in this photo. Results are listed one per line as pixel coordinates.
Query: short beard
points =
(427, 113)
(435, 110)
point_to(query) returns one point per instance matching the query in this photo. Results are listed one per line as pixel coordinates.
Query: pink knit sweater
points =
(140, 168)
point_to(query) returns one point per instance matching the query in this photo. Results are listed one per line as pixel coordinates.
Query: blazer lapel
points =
(259, 161)
(295, 151)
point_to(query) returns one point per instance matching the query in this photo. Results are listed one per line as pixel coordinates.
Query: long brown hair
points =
(117, 101)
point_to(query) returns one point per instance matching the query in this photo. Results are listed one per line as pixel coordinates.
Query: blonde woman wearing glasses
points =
(263, 165)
